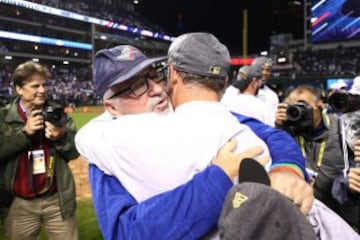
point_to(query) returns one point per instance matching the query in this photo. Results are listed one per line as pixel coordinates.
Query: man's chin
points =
(163, 106)
(39, 102)
(162, 109)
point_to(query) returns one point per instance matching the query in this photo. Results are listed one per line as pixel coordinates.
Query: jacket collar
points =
(13, 113)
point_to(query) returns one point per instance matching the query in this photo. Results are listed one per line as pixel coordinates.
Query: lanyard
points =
(321, 151)
(49, 175)
(322, 145)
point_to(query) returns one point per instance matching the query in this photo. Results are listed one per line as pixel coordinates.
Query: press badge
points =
(38, 157)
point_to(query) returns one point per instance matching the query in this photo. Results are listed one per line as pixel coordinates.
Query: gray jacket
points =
(330, 166)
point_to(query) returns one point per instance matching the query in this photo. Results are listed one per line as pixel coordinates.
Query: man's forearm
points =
(187, 212)
(284, 150)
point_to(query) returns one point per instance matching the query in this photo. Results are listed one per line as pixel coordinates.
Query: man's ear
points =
(173, 75)
(18, 90)
(226, 83)
(110, 108)
(253, 84)
(320, 104)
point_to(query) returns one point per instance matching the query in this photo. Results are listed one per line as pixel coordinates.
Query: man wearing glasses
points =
(115, 207)
(135, 74)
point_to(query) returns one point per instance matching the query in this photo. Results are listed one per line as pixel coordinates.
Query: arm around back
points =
(187, 212)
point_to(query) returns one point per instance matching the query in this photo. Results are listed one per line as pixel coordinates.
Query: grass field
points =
(87, 224)
(83, 114)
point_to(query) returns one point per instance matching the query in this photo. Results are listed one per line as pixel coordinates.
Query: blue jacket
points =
(187, 212)
(341, 190)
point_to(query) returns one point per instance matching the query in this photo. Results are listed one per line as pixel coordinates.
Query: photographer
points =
(320, 137)
(37, 141)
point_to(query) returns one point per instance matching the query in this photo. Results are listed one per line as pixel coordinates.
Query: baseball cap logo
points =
(127, 53)
(215, 70)
(239, 199)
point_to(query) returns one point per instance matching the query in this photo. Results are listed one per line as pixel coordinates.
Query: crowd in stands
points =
(122, 12)
(30, 19)
(72, 84)
(340, 61)
(68, 85)
(37, 49)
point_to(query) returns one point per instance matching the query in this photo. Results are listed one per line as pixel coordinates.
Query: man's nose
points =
(156, 88)
(42, 89)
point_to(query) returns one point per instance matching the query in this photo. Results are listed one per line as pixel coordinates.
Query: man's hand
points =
(354, 173)
(229, 161)
(357, 151)
(293, 187)
(280, 116)
(354, 179)
(53, 132)
(34, 122)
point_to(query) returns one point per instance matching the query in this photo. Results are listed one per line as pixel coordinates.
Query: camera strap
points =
(49, 174)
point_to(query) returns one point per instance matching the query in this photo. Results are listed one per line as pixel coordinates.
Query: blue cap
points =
(119, 64)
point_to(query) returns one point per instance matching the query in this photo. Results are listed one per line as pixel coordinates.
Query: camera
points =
(344, 102)
(299, 115)
(56, 116)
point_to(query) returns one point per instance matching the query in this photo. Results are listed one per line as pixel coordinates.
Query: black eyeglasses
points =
(141, 84)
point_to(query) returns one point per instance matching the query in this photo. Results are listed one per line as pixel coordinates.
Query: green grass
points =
(85, 215)
(87, 223)
(80, 117)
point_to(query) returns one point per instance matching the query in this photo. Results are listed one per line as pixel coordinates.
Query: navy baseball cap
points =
(118, 64)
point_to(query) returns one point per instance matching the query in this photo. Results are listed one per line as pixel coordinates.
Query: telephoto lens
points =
(344, 102)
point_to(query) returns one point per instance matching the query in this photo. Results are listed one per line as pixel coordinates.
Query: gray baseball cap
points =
(260, 62)
(200, 53)
(245, 75)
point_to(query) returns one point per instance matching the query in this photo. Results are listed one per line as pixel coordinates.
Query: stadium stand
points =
(70, 45)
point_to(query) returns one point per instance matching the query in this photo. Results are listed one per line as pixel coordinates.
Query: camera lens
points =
(55, 116)
(344, 102)
(294, 113)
